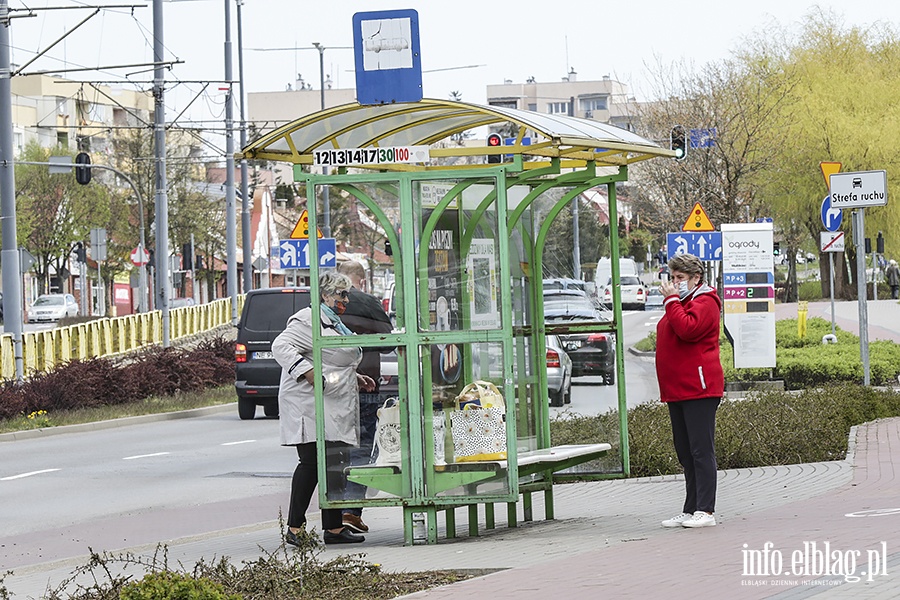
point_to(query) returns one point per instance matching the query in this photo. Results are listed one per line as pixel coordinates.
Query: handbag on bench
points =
(478, 423)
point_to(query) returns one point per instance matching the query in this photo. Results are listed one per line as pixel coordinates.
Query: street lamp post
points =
(326, 201)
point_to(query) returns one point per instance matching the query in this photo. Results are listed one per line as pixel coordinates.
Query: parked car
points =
(257, 374)
(1, 307)
(654, 299)
(50, 308)
(591, 353)
(634, 294)
(559, 372)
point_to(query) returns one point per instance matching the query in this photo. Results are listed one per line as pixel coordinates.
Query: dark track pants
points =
(306, 477)
(693, 432)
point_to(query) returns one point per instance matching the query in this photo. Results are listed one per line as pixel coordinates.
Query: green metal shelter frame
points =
(477, 205)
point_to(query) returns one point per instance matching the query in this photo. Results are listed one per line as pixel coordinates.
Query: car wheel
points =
(556, 398)
(246, 408)
(271, 408)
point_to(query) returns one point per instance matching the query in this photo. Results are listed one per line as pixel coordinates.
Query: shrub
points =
(174, 586)
(99, 381)
(810, 290)
(769, 428)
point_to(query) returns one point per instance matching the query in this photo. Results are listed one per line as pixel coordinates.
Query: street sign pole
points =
(860, 236)
(831, 285)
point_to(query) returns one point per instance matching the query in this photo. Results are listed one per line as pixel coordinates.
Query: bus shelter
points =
(467, 225)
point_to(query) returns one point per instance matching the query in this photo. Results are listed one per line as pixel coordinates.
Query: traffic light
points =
(678, 142)
(80, 252)
(868, 245)
(83, 168)
(493, 141)
(198, 261)
(186, 254)
(776, 248)
(879, 243)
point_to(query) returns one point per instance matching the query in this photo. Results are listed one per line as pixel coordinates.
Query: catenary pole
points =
(247, 243)
(162, 266)
(230, 225)
(860, 232)
(12, 285)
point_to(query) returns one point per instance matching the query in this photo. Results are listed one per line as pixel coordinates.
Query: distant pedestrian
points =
(893, 278)
(691, 383)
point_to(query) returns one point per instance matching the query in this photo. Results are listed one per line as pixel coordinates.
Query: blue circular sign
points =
(831, 217)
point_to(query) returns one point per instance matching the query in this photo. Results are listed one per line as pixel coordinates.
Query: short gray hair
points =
(333, 283)
(687, 264)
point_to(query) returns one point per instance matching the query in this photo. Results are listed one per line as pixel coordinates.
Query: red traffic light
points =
(494, 139)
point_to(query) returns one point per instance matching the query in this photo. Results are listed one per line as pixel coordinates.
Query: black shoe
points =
(299, 539)
(344, 537)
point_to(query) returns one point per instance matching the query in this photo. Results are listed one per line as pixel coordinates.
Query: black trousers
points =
(306, 478)
(694, 432)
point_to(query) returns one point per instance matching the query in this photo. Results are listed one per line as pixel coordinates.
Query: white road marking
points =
(653, 321)
(241, 442)
(21, 475)
(145, 455)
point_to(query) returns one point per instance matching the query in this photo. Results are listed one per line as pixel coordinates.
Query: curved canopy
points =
(429, 122)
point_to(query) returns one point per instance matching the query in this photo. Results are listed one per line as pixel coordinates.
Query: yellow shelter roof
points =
(430, 121)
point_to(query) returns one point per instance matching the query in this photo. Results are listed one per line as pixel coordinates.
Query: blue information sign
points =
(831, 217)
(295, 253)
(387, 57)
(706, 245)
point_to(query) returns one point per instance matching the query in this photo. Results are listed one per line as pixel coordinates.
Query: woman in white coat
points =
(297, 410)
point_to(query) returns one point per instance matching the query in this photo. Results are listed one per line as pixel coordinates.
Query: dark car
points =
(257, 374)
(591, 353)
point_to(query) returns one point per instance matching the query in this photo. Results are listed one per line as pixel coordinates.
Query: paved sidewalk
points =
(607, 542)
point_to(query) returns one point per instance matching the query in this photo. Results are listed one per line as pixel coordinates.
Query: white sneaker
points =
(700, 519)
(677, 520)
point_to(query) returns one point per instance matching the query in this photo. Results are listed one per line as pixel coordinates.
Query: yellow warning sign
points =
(301, 229)
(698, 220)
(829, 169)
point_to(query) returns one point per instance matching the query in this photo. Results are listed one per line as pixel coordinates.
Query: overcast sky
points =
(509, 40)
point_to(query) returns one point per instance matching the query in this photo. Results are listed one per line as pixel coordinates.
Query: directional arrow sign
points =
(703, 245)
(831, 217)
(295, 253)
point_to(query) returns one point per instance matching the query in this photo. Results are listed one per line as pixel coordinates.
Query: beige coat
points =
(296, 401)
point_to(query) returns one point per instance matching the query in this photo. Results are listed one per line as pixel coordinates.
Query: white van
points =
(627, 266)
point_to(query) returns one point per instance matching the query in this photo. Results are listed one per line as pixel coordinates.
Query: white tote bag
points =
(387, 433)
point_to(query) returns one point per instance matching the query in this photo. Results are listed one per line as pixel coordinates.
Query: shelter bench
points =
(530, 463)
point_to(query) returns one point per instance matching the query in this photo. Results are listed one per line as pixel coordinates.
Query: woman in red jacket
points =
(691, 383)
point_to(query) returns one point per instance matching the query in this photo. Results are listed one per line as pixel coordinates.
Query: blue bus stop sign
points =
(387, 57)
(831, 217)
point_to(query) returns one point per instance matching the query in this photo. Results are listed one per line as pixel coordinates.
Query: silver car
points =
(50, 308)
(559, 373)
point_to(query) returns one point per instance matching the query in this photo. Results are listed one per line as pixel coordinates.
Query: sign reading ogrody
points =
(748, 271)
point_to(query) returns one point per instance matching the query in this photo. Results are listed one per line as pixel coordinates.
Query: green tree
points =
(54, 213)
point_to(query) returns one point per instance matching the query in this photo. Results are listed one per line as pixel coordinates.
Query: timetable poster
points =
(481, 278)
(748, 277)
(444, 291)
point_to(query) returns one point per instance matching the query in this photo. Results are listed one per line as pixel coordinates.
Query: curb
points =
(637, 352)
(29, 434)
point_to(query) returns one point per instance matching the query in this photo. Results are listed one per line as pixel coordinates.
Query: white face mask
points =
(683, 291)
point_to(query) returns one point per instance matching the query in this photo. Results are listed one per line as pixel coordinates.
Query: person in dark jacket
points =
(691, 383)
(364, 315)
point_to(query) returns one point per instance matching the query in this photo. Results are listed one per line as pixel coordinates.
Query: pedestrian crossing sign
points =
(301, 229)
(698, 220)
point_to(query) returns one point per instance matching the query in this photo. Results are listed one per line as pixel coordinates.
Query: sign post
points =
(857, 190)
(831, 242)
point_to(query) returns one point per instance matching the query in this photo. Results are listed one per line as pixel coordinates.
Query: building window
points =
(558, 108)
(62, 139)
(505, 103)
(532, 107)
(600, 103)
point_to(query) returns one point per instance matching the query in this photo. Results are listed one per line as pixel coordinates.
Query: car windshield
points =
(49, 301)
(626, 280)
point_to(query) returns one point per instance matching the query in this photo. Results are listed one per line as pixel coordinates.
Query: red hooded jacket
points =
(687, 348)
